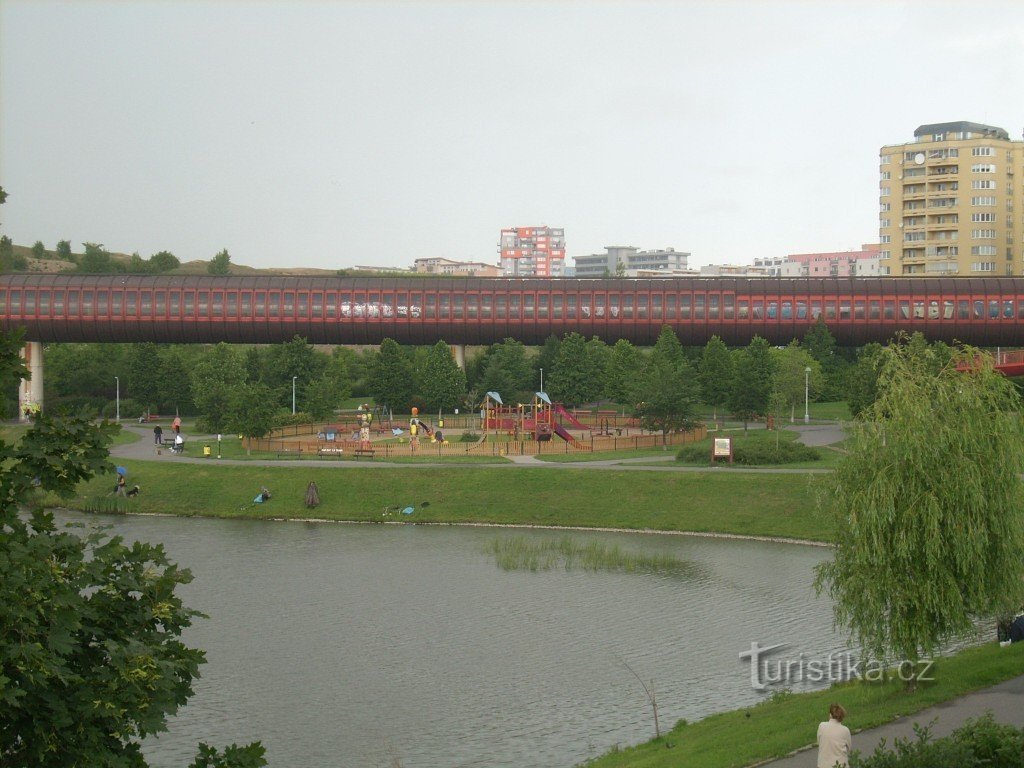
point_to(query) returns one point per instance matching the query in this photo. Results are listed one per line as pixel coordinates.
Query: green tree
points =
(791, 374)
(163, 261)
(391, 379)
(715, 374)
(322, 396)
(600, 355)
(279, 363)
(623, 374)
(96, 260)
(64, 251)
(220, 264)
(9, 261)
(250, 410)
(507, 370)
(547, 358)
(39, 250)
(821, 345)
(667, 348)
(91, 660)
(928, 508)
(142, 382)
(442, 382)
(752, 381)
(137, 265)
(575, 379)
(174, 384)
(215, 377)
(667, 396)
(862, 379)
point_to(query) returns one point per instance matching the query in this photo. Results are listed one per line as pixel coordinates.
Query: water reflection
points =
(350, 645)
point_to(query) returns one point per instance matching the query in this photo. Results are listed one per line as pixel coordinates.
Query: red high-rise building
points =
(532, 252)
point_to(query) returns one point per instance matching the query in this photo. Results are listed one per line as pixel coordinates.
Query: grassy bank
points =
(784, 723)
(762, 505)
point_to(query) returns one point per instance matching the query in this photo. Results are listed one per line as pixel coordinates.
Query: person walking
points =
(176, 425)
(119, 489)
(834, 740)
(158, 434)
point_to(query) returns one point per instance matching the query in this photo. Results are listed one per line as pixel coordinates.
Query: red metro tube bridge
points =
(333, 310)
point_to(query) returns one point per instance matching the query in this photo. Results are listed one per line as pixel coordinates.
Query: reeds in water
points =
(518, 553)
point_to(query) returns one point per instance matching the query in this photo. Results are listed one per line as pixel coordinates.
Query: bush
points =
(470, 437)
(976, 743)
(752, 453)
(129, 409)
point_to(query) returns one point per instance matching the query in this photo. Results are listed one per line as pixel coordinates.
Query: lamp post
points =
(293, 394)
(807, 391)
(541, 379)
(117, 399)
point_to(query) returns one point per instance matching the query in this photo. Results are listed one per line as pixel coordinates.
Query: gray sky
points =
(329, 134)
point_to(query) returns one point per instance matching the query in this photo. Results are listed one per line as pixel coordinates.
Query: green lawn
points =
(763, 505)
(829, 458)
(779, 725)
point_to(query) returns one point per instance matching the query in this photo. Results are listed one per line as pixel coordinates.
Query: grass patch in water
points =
(517, 553)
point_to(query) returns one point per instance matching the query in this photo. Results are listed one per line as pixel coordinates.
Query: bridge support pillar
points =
(30, 392)
(459, 354)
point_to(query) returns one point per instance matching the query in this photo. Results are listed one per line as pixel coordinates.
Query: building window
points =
(983, 184)
(982, 151)
(983, 250)
(885, 239)
(983, 201)
(884, 192)
(885, 207)
(982, 217)
(983, 168)
(983, 234)
(983, 266)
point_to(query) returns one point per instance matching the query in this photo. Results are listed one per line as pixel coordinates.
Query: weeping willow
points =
(927, 508)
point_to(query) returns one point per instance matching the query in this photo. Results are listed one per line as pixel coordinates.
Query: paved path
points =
(1005, 701)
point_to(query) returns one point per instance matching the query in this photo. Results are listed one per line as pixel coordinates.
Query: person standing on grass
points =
(176, 425)
(834, 740)
(158, 434)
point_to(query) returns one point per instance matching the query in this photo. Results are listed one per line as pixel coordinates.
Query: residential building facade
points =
(436, 265)
(629, 261)
(532, 252)
(950, 202)
(862, 263)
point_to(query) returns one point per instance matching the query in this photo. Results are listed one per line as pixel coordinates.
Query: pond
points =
(359, 645)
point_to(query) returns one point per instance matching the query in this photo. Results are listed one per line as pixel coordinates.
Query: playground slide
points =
(424, 427)
(560, 410)
(560, 431)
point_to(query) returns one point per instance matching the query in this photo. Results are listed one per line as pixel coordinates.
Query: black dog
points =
(133, 492)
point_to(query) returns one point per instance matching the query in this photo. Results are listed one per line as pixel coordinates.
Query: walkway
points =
(1005, 701)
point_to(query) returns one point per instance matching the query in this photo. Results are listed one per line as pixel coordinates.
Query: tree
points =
(791, 381)
(91, 660)
(220, 264)
(39, 250)
(862, 379)
(391, 379)
(279, 363)
(64, 251)
(667, 396)
(715, 374)
(142, 382)
(442, 382)
(251, 410)
(821, 345)
(215, 377)
(163, 261)
(575, 379)
(927, 507)
(547, 358)
(623, 373)
(752, 382)
(9, 261)
(96, 260)
(506, 369)
(137, 265)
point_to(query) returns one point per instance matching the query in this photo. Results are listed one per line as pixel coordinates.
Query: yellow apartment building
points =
(951, 203)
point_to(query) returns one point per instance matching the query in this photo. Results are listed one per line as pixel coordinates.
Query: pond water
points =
(356, 645)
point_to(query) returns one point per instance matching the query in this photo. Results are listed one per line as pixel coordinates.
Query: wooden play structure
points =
(533, 421)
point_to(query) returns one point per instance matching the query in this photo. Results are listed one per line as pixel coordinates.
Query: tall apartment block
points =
(532, 252)
(952, 202)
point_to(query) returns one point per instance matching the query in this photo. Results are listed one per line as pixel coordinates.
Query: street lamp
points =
(541, 379)
(117, 399)
(293, 394)
(807, 390)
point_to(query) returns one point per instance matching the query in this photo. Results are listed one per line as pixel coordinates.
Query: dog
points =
(131, 494)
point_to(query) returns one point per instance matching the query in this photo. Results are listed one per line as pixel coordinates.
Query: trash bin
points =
(207, 451)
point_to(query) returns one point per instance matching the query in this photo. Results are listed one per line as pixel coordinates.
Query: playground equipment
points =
(536, 419)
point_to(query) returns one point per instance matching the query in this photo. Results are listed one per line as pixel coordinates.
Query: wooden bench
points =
(367, 452)
(330, 452)
(285, 452)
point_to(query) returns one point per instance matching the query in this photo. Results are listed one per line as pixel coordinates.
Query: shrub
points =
(976, 743)
(469, 437)
(752, 453)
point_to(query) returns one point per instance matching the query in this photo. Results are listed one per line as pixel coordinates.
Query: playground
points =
(496, 429)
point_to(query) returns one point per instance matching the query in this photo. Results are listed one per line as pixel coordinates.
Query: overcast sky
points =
(330, 134)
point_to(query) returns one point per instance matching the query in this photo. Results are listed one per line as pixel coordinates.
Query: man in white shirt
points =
(834, 740)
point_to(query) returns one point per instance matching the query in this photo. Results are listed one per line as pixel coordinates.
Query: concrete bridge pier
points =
(30, 392)
(459, 353)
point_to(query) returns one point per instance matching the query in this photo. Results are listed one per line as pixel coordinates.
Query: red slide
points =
(560, 431)
(560, 410)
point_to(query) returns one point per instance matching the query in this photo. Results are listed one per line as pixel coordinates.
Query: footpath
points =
(1005, 701)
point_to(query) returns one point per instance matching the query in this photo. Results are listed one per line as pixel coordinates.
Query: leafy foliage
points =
(928, 507)
(214, 378)
(442, 383)
(979, 743)
(220, 264)
(715, 373)
(391, 380)
(576, 378)
(752, 380)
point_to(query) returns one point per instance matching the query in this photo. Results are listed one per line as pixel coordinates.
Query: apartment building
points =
(952, 202)
(532, 252)
(629, 261)
(436, 265)
(862, 263)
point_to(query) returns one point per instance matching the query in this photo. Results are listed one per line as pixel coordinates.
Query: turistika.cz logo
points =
(834, 668)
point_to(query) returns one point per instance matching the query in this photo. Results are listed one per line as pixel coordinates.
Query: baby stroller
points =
(178, 447)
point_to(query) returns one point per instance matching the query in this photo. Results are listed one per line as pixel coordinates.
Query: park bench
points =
(367, 452)
(330, 452)
(286, 452)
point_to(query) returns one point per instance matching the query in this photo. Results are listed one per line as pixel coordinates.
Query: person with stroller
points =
(179, 443)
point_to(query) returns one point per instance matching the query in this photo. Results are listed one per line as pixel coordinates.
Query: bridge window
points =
(473, 306)
(801, 310)
(175, 301)
(875, 310)
(556, 307)
(656, 300)
(698, 306)
(963, 311)
(570, 306)
(844, 309)
(599, 304)
(458, 307)
(979, 310)
(684, 307)
(387, 308)
(613, 305)
(919, 310)
(44, 302)
(830, 309)
(773, 310)
(542, 306)
(1007, 308)
(131, 299)
(904, 309)
(16, 303)
(3, 301)
(933, 310)
(217, 305)
(30, 303)
(259, 304)
(815, 309)
(787, 310)
(87, 303)
(431, 306)
(318, 304)
(232, 304)
(858, 309)
(204, 303)
(147, 303)
(58, 302)
(713, 301)
(529, 304)
(116, 301)
(288, 305)
(627, 306)
(302, 302)
(889, 309)
(189, 305)
(1020, 309)
(486, 306)
(500, 309)
(444, 311)
(102, 297)
(246, 301)
(729, 306)
(993, 309)
(513, 306)
(160, 298)
(947, 309)
(415, 304)
(670, 307)
(743, 310)
(72, 302)
(273, 304)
